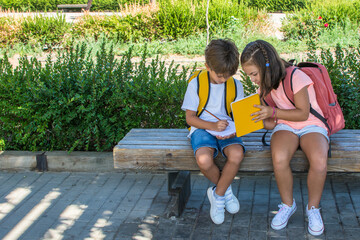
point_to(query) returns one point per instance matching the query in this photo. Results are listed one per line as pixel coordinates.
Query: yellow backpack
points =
(203, 82)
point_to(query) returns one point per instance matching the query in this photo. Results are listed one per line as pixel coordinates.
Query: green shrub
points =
(9, 29)
(344, 71)
(77, 103)
(278, 5)
(51, 5)
(179, 18)
(320, 16)
(337, 11)
(46, 30)
(303, 26)
(124, 29)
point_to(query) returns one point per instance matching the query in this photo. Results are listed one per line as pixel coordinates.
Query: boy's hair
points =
(272, 68)
(222, 56)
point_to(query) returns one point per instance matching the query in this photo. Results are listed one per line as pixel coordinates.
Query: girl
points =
(293, 126)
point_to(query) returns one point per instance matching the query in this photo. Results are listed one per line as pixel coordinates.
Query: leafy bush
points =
(179, 18)
(42, 29)
(320, 16)
(278, 5)
(344, 71)
(303, 26)
(124, 29)
(337, 11)
(77, 103)
(51, 5)
(9, 29)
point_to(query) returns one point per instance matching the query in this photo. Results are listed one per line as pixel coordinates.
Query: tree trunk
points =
(88, 5)
(207, 22)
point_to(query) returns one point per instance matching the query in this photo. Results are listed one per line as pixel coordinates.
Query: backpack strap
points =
(288, 89)
(230, 95)
(203, 90)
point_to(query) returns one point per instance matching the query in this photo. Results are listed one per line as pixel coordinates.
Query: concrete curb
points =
(58, 161)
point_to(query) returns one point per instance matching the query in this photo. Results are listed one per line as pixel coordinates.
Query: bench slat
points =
(72, 6)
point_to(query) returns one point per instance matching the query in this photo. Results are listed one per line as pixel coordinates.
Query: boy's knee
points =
(204, 158)
(235, 155)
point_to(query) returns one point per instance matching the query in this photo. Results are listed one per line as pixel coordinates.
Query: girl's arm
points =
(193, 120)
(302, 108)
(300, 113)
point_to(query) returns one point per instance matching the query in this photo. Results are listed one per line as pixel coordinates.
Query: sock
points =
(218, 197)
(228, 193)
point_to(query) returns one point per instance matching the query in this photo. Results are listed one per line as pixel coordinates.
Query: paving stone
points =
(201, 233)
(296, 233)
(333, 231)
(352, 234)
(255, 235)
(239, 233)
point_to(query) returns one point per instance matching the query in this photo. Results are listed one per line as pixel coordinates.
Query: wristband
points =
(275, 119)
(273, 114)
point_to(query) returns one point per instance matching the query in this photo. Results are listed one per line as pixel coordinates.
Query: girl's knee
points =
(280, 161)
(320, 167)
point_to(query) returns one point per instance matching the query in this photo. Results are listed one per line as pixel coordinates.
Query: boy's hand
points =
(226, 137)
(264, 113)
(221, 125)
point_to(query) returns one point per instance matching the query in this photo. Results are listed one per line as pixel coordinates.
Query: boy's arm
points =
(193, 120)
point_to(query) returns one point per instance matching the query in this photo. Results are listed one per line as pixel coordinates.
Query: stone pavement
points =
(129, 205)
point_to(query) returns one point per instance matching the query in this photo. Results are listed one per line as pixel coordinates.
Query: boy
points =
(222, 62)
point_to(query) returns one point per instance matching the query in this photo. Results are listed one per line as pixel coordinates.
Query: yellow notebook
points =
(242, 109)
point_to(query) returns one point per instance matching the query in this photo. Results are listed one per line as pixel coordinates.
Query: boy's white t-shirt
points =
(216, 102)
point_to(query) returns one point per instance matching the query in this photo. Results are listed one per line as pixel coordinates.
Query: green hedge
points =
(101, 5)
(51, 5)
(278, 5)
(77, 103)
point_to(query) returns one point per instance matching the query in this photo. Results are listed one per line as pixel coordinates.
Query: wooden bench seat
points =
(170, 149)
(75, 7)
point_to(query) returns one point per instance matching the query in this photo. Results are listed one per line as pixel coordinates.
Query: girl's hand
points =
(220, 125)
(264, 113)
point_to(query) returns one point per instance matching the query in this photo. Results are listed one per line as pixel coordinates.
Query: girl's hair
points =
(222, 56)
(272, 68)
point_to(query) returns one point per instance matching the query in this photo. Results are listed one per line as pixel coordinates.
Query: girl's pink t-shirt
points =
(300, 80)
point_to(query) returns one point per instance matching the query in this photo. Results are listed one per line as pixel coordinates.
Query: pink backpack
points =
(333, 117)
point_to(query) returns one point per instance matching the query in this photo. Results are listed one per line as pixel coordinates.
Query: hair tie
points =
(267, 64)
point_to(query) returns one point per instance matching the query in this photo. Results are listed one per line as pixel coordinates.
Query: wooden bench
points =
(75, 7)
(170, 149)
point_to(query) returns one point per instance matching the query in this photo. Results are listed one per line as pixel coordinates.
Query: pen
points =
(212, 114)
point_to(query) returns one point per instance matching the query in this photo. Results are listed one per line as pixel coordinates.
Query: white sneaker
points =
(217, 209)
(232, 204)
(316, 225)
(282, 217)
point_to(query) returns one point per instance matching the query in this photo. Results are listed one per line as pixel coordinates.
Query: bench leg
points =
(180, 189)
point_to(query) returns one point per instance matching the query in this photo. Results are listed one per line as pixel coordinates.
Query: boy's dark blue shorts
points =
(201, 138)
